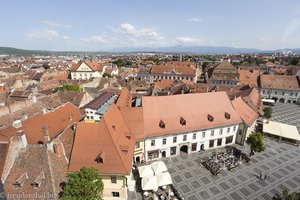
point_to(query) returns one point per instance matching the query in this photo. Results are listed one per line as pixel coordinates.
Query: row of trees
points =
(67, 87)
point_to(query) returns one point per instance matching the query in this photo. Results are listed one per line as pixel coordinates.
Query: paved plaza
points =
(286, 113)
(280, 161)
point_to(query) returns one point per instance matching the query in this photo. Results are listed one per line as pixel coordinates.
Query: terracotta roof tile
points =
(279, 82)
(246, 113)
(249, 77)
(180, 68)
(112, 142)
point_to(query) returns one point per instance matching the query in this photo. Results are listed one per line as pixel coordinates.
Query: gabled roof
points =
(112, 137)
(279, 82)
(55, 121)
(99, 101)
(246, 113)
(194, 108)
(249, 77)
(73, 97)
(3, 154)
(176, 68)
(32, 162)
(93, 65)
(225, 71)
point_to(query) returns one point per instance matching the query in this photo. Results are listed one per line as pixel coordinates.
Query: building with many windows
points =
(168, 125)
(280, 88)
(225, 74)
(85, 70)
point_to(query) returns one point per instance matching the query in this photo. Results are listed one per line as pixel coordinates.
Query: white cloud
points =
(43, 34)
(55, 24)
(293, 25)
(189, 41)
(130, 30)
(194, 19)
(266, 39)
(66, 37)
(95, 39)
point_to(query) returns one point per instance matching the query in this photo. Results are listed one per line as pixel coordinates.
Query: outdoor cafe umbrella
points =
(145, 170)
(159, 167)
(164, 179)
(149, 183)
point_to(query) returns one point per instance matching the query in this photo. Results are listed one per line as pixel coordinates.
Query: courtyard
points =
(280, 161)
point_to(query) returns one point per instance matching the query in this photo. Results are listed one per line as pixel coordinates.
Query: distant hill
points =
(171, 49)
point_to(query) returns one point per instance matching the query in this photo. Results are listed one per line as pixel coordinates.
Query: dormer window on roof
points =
(100, 158)
(182, 121)
(162, 124)
(210, 118)
(38, 181)
(227, 115)
(21, 180)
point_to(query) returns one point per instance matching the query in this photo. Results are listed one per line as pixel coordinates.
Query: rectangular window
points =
(211, 143)
(184, 137)
(152, 143)
(283, 93)
(219, 143)
(173, 150)
(203, 134)
(137, 145)
(228, 130)
(291, 94)
(234, 128)
(116, 194)
(164, 141)
(113, 179)
(229, 140)
(263, 92)
(174, 139)
(194, 146)
(194, 136)
(221, 131)
(212, 133)
(275, 92)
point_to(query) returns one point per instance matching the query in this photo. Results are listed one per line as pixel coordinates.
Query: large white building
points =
(87, 70)
(167, 125)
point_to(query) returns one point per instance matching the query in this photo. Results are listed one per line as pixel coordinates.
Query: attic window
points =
(162, 124)
(38, 181)
(182, 121)
(210, 118)
(124, 148)
(100, 157)
(114, 127)
(20, 181)
(227, 115)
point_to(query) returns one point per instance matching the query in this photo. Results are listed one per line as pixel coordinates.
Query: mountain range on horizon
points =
(218, 50)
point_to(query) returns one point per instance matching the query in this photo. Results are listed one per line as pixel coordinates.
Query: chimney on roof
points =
(44, 111)
(17, 123)
(46, 133)
(22, 139)
(34, 99)
(207, 88)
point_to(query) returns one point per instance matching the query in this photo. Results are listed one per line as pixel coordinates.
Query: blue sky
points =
(103, 25)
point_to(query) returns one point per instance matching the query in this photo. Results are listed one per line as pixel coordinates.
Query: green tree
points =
(268, 112)
(67, 87)
(285, 196)
(84, 185)
(256, 142)
(106, 75)
(46, 65)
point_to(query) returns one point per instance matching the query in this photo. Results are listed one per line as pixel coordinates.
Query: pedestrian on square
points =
(260, 175)
(265, 177)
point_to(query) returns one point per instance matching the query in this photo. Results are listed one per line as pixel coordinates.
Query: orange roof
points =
(56, 121)
(93, 65)
(110, 139)
(279, 82)
(163, 84)
(194, 108)
(178, 68)
(249, 77)
(247, 114)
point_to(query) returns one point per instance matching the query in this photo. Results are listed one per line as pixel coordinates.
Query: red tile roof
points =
(246, 113)
(178, 68)
(249, 77)
(279, 82)
(93, 65)
(110, 139)
(56, 121)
